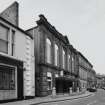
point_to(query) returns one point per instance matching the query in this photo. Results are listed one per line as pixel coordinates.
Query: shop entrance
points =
(62, 85)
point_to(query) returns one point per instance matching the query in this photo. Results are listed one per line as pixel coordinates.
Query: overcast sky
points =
(83, 21)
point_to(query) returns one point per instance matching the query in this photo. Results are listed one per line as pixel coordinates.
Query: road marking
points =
(92, 102)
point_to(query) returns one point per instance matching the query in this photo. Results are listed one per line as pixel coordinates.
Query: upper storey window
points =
(63, 58)
(13, 42)
(69, 63)
(4, 39)
(48, 51)
(56, 55)
(72, 64)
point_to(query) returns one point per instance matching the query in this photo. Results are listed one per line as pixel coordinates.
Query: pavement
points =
(98, 98)
(48, 99)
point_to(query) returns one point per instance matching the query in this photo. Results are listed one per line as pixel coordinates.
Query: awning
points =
(66, 78)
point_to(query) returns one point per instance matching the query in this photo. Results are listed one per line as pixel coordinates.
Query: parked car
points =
(103, 88)
(92, 89)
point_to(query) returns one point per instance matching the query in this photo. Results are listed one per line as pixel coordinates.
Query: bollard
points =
(53, 91)
(70, 90)
(78, 89)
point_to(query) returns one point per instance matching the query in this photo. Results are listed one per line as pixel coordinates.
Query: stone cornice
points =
(52, 29)
(79, 53)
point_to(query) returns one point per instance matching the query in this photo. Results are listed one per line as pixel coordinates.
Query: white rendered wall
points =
(24, 51)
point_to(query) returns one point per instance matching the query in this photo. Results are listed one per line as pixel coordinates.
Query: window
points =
(56, 55)
(63, 58)
(72, 64)
(3, 39)
(49, 80)
(13, 42)
(7, 78)
(48, 51)
(69, 63)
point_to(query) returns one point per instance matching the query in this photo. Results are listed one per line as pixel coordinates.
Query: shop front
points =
(64, 84)
(11, 79)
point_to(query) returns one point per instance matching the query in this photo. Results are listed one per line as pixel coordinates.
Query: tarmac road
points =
(97, 99)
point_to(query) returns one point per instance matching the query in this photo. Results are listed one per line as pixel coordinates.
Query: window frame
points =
(13, 42)
(7, 39)
(63, 58)
(48, 51)
(69, 62)
(14, 68)
(56, 57)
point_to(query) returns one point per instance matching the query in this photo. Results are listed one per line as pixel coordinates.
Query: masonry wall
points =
(11, 14)
(40, 35)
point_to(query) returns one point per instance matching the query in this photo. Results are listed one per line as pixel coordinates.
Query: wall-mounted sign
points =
(61, 73)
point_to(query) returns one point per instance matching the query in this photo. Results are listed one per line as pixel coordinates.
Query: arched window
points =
(73, 64)
(48, 51)
(69, 63)
(63, 58)
(56, 60)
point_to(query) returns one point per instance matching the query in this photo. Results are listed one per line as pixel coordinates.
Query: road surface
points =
(97, 99)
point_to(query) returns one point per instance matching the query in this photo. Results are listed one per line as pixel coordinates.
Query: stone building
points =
(16, 57)
(100, 81)
(85, 71)
(38, 62)
(55, 60)
(91, 78)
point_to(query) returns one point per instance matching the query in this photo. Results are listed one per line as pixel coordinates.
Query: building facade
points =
(38, 62)
(100, 81)
(56, 60)
(86, 74)
(91, 78)
(16, 57)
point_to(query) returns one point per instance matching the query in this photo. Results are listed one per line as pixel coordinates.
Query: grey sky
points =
(83, 21)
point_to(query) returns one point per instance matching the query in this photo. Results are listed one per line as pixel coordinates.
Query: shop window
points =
(56, 55)
(49, 80)
(7, 78)
(4, 39)
(48, 51)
